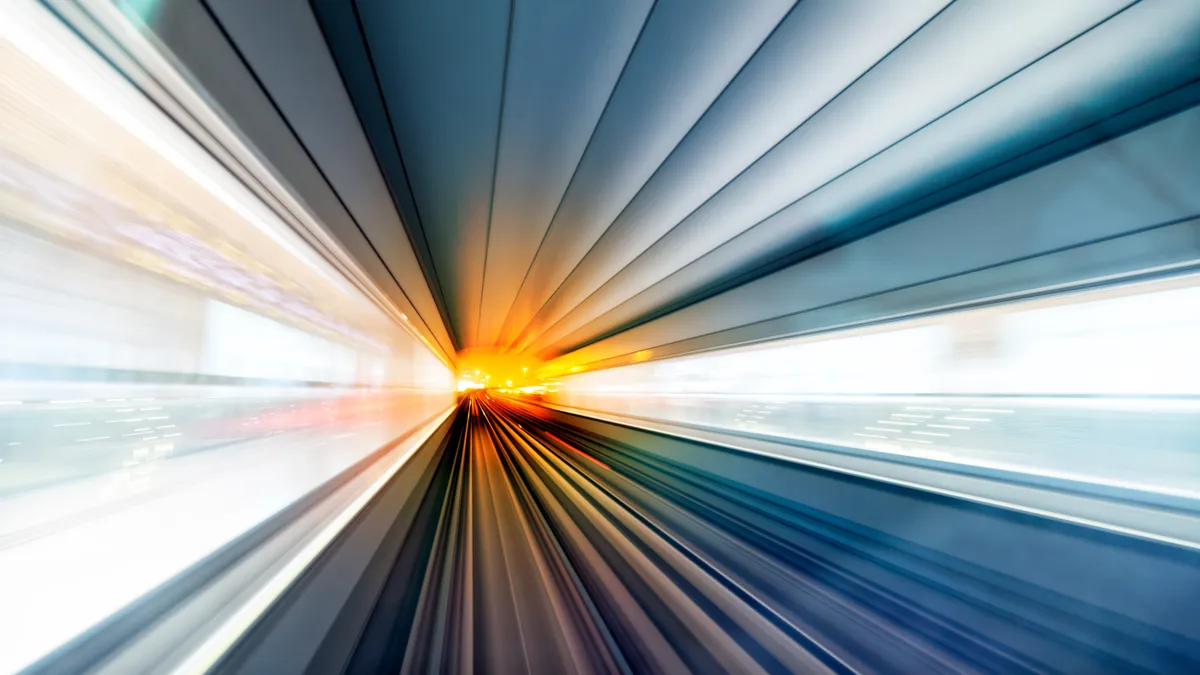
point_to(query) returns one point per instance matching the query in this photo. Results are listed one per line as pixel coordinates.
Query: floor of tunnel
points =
(534, 546)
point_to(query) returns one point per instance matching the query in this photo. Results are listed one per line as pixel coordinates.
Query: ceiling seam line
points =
(768, 151)
(262, 192)
(666, 159)
(624, 67)
(744, 278)
(304, 147)
(819, 249)
(867, 296)
(487, 241)
(912, 133)
(817, 244)
(307, 153)
(434, 292)
(391, 125)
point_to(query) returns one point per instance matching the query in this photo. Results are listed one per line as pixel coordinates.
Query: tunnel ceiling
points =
(567, 171)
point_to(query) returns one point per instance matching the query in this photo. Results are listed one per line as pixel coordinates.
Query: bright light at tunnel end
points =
(469, 385)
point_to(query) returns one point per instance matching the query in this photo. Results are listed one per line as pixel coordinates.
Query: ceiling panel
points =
(1085, 85)
(441, 70)
(773, 244)
(685, 56)
(817, 51)
(1136, 182)
(584, 178)
(963, 52)
(563, 64)
(282, 39)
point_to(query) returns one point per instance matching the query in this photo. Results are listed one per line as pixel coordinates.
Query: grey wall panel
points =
(756, 253)
(604, 176)
(1087, 83)
(928, 112)
(441, 66)
(283, 44)
(341, 25)
(1143, 179)
(192, 36)
(1168, 249)
(564, 62)
(817, 51)
(687, 54)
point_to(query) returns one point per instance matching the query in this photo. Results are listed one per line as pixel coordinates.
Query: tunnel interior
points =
(641, 336)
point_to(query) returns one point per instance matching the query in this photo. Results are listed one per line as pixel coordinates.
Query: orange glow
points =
(483, 368)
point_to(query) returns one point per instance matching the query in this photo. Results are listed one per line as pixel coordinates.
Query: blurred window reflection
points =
(1101, 387)
(176, 364)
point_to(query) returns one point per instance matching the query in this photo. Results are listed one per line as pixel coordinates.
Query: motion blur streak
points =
(177, 366)
(624, 336)
(977, 389)
(542, 542)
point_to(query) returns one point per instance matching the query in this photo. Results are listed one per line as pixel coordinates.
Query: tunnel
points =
(608, 336)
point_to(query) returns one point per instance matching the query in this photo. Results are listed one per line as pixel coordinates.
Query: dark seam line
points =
(872, 156)
(487, 241)
(1033, 293)
(379, 163)
(775, 145)
(666, 159)
(575, 171)
(275, 105)
(391, 125)
(229, 160)
(748, 277)
(961, 306)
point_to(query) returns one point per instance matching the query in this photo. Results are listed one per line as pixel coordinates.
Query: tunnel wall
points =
(1102, 575)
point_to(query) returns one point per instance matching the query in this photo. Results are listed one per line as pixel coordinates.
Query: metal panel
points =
(193, 37)
(1141, 180)
(687, 54)
(820, 48)
(565, 59)
(951, 103)
(441, 67)
(283, 44)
